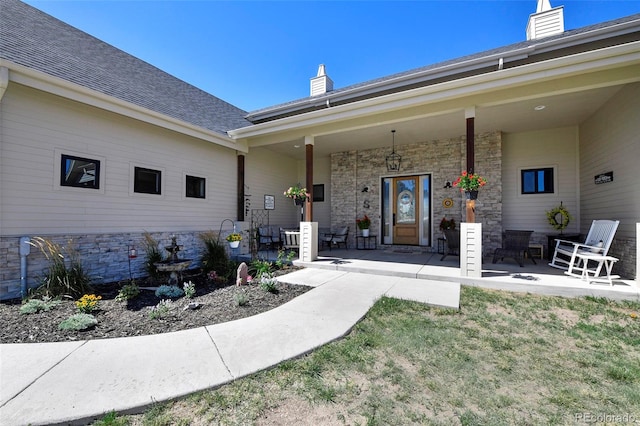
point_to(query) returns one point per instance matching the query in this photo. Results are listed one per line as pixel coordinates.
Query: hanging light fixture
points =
(393, 159)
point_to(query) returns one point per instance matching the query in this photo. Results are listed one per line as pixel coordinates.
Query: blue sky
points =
(255, 54)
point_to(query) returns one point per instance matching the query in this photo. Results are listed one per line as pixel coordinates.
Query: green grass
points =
(502, 359)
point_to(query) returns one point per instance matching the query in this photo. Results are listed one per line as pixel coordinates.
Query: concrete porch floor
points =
(505, 275)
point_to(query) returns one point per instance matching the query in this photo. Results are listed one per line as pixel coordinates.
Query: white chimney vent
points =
(546, 21)
(321, 83)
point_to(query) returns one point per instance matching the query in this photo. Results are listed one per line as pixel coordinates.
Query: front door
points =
(406, 211)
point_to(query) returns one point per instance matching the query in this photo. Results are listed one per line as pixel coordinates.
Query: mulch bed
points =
(217, 303)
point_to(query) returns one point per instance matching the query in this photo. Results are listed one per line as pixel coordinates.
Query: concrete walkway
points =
(74, 382)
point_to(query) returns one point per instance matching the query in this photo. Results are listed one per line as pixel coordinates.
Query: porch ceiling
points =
(560, 110)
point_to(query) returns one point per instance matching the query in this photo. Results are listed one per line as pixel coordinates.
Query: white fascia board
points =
(60, 87)
(538, 71)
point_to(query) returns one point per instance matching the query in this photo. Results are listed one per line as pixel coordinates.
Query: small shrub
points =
(78, 322)
(189, 289)
(260, 267)
(33, 306)
(161, 310)
(285, 258)
(88, 303)
(169, 291)
(128, 292)
(268, 283)
(241, 298)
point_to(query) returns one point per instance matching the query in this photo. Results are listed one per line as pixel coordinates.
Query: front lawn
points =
(502, 359)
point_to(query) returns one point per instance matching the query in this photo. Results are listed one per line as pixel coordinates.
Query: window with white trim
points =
(79, 172)
(147, 181)
(537, 181)
(195, 187)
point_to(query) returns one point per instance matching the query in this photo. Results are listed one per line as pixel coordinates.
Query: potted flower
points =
(297, 194)
(234, 239)
(446, 224)
(363, 225)
(470, 183)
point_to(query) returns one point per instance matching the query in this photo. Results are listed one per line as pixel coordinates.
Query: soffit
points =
(560, 111)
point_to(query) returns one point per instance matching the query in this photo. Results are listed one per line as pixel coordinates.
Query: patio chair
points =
(599, 239)
(291, 240)
(515, 245)
(336, 238)
(452, 238)
(268, 238)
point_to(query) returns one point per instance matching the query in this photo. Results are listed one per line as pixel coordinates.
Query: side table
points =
(366, 243)
(551, 242)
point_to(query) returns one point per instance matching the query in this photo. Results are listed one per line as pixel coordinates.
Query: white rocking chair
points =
(574, 256)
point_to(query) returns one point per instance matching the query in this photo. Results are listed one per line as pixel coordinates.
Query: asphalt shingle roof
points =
(39, 41)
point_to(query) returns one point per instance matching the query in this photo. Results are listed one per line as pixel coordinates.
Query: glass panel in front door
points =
(406, 201)
(406, 226)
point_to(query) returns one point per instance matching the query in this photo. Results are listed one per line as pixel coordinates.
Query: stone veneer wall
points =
(444, 159)
(625, 250)
(104, 256)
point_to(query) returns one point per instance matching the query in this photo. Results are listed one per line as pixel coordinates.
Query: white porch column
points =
(308, 241)
(471, 249)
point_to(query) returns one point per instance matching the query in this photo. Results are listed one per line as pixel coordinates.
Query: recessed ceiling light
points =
(296, 146)
(539, 107)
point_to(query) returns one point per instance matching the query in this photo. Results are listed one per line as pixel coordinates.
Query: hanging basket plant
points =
(297, 193)
(234, 237)
(468, 182)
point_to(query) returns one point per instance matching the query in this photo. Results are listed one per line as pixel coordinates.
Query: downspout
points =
(25, 249)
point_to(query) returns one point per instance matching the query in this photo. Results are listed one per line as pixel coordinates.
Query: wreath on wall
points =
(559, 217)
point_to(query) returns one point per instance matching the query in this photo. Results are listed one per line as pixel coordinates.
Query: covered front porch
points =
(505, 275)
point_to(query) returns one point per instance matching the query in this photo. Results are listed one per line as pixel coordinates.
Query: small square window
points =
(195, 187)
(537, 181)
(147, 181)
(318, 192)
(79, 172)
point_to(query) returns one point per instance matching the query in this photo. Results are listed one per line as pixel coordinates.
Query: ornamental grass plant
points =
(215, 257)
(65, 275)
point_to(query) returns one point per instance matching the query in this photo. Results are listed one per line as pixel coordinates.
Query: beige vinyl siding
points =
(322, 175)
(555, 148)
(37, 127)
(269, 173)
(609, 141)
